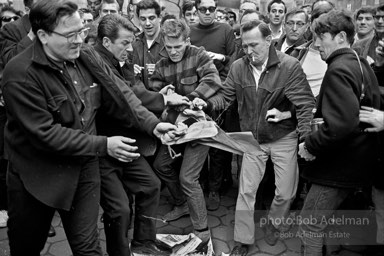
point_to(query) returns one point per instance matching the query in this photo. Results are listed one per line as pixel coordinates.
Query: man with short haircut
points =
(94, 5)
(189, 13)
(276, 13)
(218, 40)
(221, 16)
(53, 92)
(108, 7)
(260, 81)
(343, 156)
(194, 75)
(115, 37)
(149, 43)
(365, 23)
(295, 26)
(250, 5)
(86, 15)
(231, 17)
(367, 47)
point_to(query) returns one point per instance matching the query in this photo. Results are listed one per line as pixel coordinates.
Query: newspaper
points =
(184, 245)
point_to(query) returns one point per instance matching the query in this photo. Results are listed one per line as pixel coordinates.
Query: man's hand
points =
(216, 56)
(168, 89)
(373, 117)
(198, 103)
(175, 99)
(137, 69)
(162, 128)
(275, 116)
(303, 152)
(119, 148)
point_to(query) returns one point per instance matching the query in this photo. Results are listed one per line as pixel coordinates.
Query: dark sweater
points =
(218, 38)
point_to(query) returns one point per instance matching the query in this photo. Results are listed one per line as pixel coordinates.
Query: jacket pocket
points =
(188, 84)
(60, 109)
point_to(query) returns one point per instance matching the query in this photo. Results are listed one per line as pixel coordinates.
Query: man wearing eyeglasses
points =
(218, 40)
(53, 91)
(296, 24)
(367, 47)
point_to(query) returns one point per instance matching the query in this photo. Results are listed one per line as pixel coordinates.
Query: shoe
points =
(51, 232)
(177, 212)
(271, 234)
(3, 218)
(239, 250)
(149, 247)
(205, 237)
(213, 201)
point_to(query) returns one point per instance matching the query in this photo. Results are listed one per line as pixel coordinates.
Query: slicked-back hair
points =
(174, 28)
(110, 25)
(322, 9)
(45, 14)
(365, 9)
(148, 4)
(295, 11)
(263, 28)
(335, 22)
(246, 12)
(187, 6)
(109, 2)
(380, 8)
(198, 2)
(28, 3)
(329, 2)
(276, 2)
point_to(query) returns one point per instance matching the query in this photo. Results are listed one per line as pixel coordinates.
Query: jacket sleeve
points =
(229, 86)
(27, 105)
(120, 101)
(299, 93)
(209, 79)
(153, 101)
(340, 111)
(9, 44)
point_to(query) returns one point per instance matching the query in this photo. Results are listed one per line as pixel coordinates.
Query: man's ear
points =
(341, 37)
(106, 42)
(268, 39)
(43, 36)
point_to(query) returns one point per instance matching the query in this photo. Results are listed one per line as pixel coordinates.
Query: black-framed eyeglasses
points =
(211, 9)
(298, 24)
(9, 19)
(377, 17)
(71, 37)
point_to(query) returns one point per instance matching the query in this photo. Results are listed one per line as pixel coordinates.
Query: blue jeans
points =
(320, 204)
(186, 182)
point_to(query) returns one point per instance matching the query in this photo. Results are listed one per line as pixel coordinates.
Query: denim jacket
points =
(282, 85)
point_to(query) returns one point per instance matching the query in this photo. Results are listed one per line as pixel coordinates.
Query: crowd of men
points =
(89, 95)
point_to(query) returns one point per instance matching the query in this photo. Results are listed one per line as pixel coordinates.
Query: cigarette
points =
(253, 58)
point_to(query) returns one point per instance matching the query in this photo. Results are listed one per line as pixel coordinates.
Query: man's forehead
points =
(207, 3)
(113, 6)
(147, 13)
(69, 23)
(297, 16)
(365, 14)
(277, 6)
(380, 13)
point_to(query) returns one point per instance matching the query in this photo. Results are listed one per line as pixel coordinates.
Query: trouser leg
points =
(29, 219)
(117, 211)
(163, 167)
(140, 180)
(80, 223)
(252, 172)
(320, 204)
(194, 157)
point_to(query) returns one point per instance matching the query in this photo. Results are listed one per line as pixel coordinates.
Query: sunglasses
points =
(211, 9)
(9, 19)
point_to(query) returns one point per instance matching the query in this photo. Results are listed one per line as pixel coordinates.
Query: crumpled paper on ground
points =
(183, 245)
